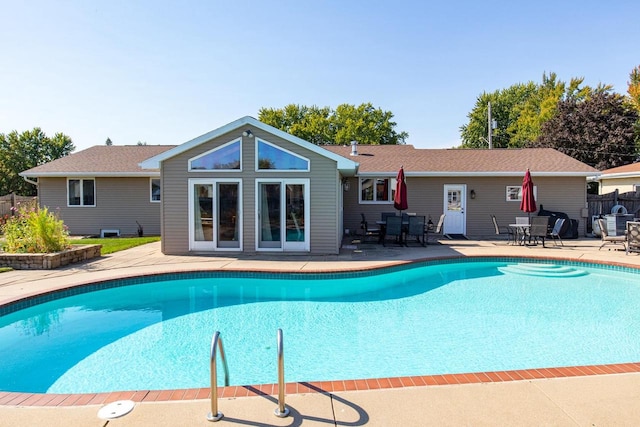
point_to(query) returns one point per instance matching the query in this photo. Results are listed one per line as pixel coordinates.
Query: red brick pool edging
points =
(53, 400)
(44, 399)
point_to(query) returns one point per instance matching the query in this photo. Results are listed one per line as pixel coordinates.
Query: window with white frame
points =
(155, 189)
(81, 192)
(224, 158)
(377, 190)
(270, 157)
(514, 193)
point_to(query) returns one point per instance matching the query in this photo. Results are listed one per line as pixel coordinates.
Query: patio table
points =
(520, 236)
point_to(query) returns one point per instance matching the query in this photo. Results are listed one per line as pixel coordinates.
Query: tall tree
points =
(504, 111)
(634, 88)
(322, 125)
(108, 141)
(19, 152)
(520, 110)
(598, 130)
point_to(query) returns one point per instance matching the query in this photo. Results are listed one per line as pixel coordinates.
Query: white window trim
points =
(519, 187)
(306, 247)
(281, 149)
(376, 202)
(95, 193)
(213, 150)
(213, 245)
(151, 190)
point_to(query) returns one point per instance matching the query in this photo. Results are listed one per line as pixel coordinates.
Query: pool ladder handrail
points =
(216, 341)
(281, 411)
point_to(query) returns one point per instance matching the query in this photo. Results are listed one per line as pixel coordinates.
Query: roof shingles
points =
(101, 159)
(383, 159)
(389, 158)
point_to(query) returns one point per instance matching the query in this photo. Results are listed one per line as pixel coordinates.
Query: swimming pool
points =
(429, 318)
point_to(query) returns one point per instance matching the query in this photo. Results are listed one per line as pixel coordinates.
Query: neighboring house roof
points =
(626, 171)
(387, 159)
(101, 160)
(346, 165)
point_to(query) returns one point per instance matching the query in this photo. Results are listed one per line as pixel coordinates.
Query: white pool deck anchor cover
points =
(116, 409)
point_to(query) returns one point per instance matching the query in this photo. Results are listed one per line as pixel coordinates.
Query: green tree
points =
(108, 141)
(597, 130)
(504, 111)
(322, 125)
(633, 89)
(520, 110)
(19, 152)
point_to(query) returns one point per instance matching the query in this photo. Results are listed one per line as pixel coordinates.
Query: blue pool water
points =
(430, 319)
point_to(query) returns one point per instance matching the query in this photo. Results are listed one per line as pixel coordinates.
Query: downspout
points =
(30, 181)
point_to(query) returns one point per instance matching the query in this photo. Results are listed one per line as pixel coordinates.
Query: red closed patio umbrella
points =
(528, 202)
(400, 198)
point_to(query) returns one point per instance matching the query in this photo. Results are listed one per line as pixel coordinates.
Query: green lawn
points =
(115, 244)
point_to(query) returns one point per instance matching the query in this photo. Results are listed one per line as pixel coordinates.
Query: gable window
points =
(155, 189)
(81, 192)
(271, 157)
(514, 193)
(377, 190)
(224, 158)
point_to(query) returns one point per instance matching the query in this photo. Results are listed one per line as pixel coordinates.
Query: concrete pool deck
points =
(607, 399)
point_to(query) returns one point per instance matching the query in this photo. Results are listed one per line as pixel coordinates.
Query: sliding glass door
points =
(215, 215)
(282, 215)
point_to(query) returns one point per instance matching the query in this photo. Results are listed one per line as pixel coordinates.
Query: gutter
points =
(30, 181)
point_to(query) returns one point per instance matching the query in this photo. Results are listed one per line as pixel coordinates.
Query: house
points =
(622, 178)
(467, 185)
(102, 190)
(249, 187)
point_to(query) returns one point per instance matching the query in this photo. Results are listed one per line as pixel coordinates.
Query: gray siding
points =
(120, 202)
(324, 236)
(425, 196)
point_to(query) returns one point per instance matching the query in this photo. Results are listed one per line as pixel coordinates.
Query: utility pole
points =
(489, 124)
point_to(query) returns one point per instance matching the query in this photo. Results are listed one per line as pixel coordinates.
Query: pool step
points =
(543, 270)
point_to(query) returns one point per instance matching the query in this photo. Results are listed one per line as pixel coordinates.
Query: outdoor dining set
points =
(530, 230)
(402, 228)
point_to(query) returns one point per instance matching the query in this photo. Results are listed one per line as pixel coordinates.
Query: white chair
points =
(438, 230)
(555, 233)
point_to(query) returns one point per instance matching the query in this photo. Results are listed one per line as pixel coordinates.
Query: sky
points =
(165, 72)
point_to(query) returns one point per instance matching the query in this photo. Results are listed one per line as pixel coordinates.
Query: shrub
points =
(34, 231)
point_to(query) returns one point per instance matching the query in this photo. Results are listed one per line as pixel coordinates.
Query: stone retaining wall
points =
(49, 261)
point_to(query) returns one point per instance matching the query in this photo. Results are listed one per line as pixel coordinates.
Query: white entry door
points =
(455, 204)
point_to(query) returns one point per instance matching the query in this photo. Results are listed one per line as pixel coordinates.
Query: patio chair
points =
(369, 231)
(437, 231)
(501, 231)
(417, 228)
(607, 239)
(385, 215)
(633, 236)
(555, 232)
(539, 229)
(393, 229)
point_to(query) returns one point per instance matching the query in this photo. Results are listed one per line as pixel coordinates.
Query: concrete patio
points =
(572, 401)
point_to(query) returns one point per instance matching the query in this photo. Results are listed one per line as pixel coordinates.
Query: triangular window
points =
(271, 157)
(224, 158)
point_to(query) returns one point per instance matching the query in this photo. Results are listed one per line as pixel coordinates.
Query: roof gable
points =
(345, 165)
